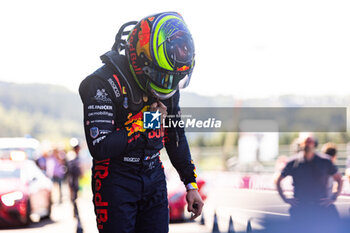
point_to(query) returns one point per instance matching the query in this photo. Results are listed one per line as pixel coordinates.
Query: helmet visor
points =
(179, 50)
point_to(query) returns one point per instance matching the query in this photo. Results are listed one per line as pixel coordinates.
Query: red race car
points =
(25, 192)
(177, 201)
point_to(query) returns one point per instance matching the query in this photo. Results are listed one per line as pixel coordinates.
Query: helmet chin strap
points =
(159, 96)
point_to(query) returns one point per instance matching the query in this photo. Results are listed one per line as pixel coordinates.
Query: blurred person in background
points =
(312, 209)
(41, 161)
(330, 151)
(55, 169)
(45, 153)
(280, 163)
(74, 172)
(295, 146)
(347, 170)
(142, 74)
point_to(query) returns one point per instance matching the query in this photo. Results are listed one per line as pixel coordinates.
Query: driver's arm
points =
(178, 149)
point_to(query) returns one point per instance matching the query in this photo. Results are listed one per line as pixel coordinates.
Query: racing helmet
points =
(160, 52)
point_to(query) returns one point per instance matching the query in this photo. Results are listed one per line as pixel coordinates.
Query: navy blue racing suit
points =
(128, 181)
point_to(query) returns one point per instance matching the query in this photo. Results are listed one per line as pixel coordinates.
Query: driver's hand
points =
(159, 106)
(194, 203)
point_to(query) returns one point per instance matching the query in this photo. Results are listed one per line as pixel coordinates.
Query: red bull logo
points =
(135, 122)
(183, 68)
(100, 173)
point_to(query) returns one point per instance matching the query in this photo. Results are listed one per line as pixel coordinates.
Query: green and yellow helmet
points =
(160, 51)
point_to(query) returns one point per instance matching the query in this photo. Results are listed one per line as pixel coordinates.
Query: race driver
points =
(142, 73)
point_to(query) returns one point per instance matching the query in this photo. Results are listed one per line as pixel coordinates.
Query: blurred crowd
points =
(63, 166)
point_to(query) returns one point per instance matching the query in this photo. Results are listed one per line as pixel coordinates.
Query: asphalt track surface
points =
(264, 209)
(62, 220)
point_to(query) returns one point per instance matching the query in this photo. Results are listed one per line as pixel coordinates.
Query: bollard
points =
(249, 227)
(230, 226)
(215, 225)
(202, 221)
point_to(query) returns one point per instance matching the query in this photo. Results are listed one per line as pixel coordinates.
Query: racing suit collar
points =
(118, 64)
